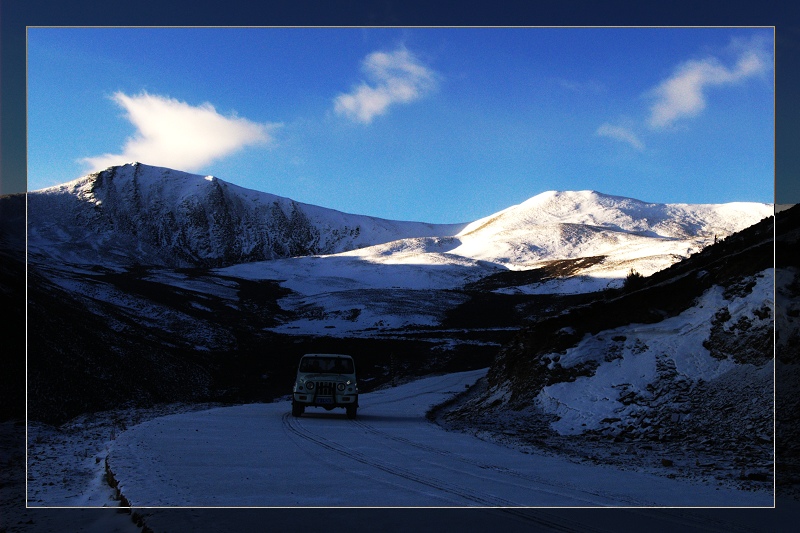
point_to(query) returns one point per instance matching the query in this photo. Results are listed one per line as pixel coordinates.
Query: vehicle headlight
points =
(340, 386)
(310, 385)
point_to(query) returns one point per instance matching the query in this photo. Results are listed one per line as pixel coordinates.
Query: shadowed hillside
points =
(662, 363)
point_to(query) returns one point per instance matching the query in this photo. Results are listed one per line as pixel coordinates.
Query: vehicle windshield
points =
(335, 365)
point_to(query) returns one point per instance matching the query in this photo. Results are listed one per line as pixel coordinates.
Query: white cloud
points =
(175, 134)
(620, 133)
(684, 94)
(397, 77)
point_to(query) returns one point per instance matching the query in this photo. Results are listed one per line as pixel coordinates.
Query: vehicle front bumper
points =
(339, 400)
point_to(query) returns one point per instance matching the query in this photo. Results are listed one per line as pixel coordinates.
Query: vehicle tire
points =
(351, 412)
(297, 409)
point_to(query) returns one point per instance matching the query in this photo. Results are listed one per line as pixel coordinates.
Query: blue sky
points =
(438, 125)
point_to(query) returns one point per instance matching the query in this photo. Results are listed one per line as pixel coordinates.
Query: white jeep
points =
(325, 380)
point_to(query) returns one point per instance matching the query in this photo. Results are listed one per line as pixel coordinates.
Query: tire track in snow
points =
(450, 385)
(542, 484)
(692, 518)
(294, 427)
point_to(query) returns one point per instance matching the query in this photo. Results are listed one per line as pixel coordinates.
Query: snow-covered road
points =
(258, 455)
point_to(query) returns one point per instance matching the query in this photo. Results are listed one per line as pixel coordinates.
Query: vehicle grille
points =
(325, 388)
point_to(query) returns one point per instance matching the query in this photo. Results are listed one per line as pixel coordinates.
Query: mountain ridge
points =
(140, 214)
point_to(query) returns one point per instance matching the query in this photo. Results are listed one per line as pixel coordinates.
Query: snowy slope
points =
(638, 363)
(624, 233)
(682, 364)
(141, 214)
(630, 233)
(561, 225)
(138, 214)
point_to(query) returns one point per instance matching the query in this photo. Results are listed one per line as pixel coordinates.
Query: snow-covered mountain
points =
(139, 214)
(353, 273)
(570, 224)
(619, 234)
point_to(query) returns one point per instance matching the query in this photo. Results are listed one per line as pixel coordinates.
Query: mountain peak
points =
(143, 214)
(155, 215)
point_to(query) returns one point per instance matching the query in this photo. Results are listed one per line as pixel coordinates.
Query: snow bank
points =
(632, 359)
